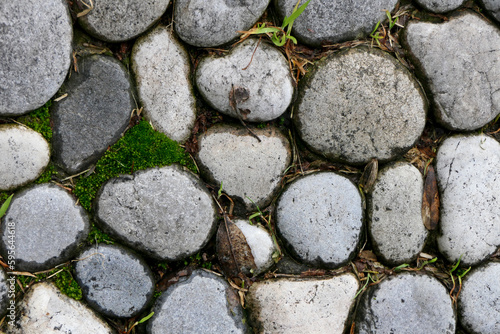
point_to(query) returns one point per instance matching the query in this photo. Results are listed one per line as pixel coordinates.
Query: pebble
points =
(492, 7)
(4, 292)
(441, 6)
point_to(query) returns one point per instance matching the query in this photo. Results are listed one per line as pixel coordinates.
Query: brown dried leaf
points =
(369, 176)
(368, 255)
(244, 113)
(430, 201)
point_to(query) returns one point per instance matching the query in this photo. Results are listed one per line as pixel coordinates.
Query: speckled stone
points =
(440, 6)
(492, 7)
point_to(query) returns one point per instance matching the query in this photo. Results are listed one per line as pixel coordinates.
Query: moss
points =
(96, 236)
(39, 120)
(46, 175)
(63, 280)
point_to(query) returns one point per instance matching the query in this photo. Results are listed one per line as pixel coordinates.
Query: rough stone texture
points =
(349, 106)
(167, 213)
(335, 21)
(395, 214)
(320, 219)
(115, 281)
(468, 170)
(440, 6)
(406, 303)
(47, 225)
(25, 154)
(204, 303)
(95, 113)
(461, 68)
(162, 72)
(249, 170)
(118, 20)
(36, 53)
(211, 23)
(492, 7)
(479, 300)
(44, 309)
(4, 292)
(302, 306)
(267, 80)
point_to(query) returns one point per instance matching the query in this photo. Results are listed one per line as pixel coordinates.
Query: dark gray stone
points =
(440, 6)
(492, 7)
(95, 113)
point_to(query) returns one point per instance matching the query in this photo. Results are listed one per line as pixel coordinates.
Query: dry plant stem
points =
(253, 54)
(226, 219)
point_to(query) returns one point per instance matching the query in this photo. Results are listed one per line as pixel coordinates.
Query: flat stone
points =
(264, 75)
(465, 88)
(492, 7)
(350, 104)
(292, 306)
(332, 22)
(249, 170)
(441, 6)
(208, 24)
(166, 213)
(48, 227)
(395, 214)
(117, 21)
(162, 73)
(4, 292)
(36, 53)
(115, 281)
(203, 303)
(25, 155)
(320, 218)
(95, 113)
(467, 173)
(406, 303)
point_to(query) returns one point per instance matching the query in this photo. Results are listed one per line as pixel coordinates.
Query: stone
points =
(250, 171)
(36, 53)
(202, 303)
(350, 104)
(166, 213)
(441, 6)
(395, 214)
(327, 22)
(212, 23)
(296, 306)
(406, 303)
(95, 113)
(263, 75)
(467, 171)
(319, 218)
(492, 7)
(115, 281)
(465, 87)
(162, 72)
(25, 155)
(5, 292)
(48, 227)
(117, 21)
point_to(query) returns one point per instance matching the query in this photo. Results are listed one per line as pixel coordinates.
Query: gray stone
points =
(5, 291)
(117, 20)
(167, 213)
(349, 106)
(36, 53)
(460, 67)
(264, 74)
(406, 303)
(479, 300)
(294, 306)
(203, 303)
(335, 21)
(249, 170)
(114, 281)
(48, 227)
(25, 154)
(467, 173)
(492, 7)
(320, 218)
(162, 73)
(395, 214)
(440, 6)
(95, 113)
(211, 23)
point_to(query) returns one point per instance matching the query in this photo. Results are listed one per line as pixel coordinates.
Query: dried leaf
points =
(368, 255)
(369, 176)
(244, 113)
(430, 201)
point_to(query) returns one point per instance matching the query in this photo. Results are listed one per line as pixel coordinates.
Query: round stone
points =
(5, 291)
(441, 6)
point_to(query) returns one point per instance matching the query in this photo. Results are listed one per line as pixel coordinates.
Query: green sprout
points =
(5, 206)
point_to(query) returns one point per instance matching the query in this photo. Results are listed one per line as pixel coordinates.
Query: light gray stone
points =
(203, 303)
(492, 7)
(264, 74)
(440, 6)
(48, 227)
(162, 73)
(292, 306)
(460, 67)
(95, 113)
(166, 213)
(5, 291)
(320, 218)
(467, 172)
(406, 303)
(117, 20)
(25, 154)
(211, 23)
(36, 53)
(350, 104)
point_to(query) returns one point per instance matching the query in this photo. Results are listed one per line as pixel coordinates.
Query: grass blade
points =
(5, 206)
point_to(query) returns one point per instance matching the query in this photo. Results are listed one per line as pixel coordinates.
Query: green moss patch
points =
(39, 120)
(63, 280)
